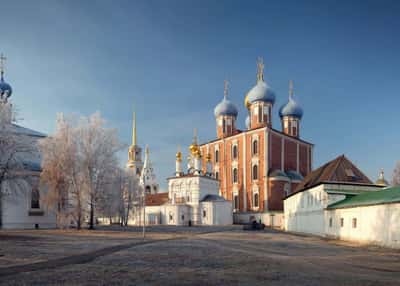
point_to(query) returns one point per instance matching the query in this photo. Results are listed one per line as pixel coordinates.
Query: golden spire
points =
(260, 69)
(2, 64)
(134, 129)
(290, 89)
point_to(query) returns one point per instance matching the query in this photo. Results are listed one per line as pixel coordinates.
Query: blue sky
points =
(168, 61)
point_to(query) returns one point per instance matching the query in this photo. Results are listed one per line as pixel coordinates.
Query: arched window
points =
(216, 156)
(148, 190)
(255, 172)
(235, 175)
(256, 199)
(223, 125)
(35, 199)
(216, 175)
(234, 151)
(255, 147)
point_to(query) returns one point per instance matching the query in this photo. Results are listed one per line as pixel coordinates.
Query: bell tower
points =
(134, 152)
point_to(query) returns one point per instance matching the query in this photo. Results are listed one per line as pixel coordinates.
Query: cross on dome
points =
(260, 69)
(226, 88)
(2, 64)
(290, 89)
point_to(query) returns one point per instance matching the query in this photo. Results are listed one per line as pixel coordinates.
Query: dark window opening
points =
(255, 147)
(256, 200)
(235, 175)
(35, 199)
(234, 152)
(255, 172)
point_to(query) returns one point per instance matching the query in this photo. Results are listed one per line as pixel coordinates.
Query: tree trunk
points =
(91, 223)
(78, 223)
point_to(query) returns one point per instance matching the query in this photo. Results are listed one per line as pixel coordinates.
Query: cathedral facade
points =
(259, 166)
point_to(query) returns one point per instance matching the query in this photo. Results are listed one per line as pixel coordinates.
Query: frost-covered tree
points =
(117, 201)
(396, 175)
(79, 164)
(61, 173)
(98, 147)
(14, 148)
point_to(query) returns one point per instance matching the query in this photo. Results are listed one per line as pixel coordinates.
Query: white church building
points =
(338, 201)
(21, 196)
(193, 198)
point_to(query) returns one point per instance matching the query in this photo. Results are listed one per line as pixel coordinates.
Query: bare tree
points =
(15, 147)
(396, 175)
(131, 194)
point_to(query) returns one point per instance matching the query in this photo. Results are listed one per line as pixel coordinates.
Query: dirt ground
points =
(189, 256)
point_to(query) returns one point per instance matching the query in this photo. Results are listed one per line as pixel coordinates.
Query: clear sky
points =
(168, 61)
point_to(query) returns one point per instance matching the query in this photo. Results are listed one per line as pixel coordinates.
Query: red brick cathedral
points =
(259, 166)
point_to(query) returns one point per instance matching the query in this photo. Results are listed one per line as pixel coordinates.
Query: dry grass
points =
(196, 257)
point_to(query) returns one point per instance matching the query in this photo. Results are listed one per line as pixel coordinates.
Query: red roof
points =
(339, 170)
(156, 199)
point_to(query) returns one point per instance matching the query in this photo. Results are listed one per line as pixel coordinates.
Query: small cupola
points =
(381, 179)
(291, 114)
(225, 115)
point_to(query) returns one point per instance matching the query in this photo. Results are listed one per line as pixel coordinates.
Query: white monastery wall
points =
(377, 224)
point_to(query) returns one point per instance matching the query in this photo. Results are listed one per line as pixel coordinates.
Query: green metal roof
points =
(384, 196)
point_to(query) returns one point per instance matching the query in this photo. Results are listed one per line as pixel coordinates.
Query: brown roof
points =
(156, 199)
(339, 170)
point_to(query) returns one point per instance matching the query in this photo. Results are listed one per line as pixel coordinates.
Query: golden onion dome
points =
(246, 102)
(197, 153)
(179, 156)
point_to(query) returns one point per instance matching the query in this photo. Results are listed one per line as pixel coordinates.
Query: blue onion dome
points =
(291, 108)
(5, 88)
(261, 91)
(247, 122)
(225, 107)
